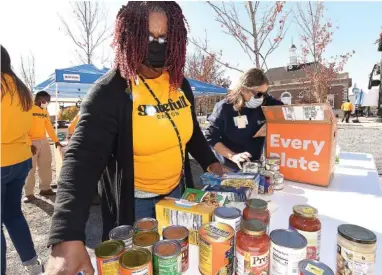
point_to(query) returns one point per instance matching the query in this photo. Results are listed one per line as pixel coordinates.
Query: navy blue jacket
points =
(223, 129)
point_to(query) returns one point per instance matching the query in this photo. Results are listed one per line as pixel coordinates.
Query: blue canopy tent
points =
(75, 82)
(202, 88)
(71, 83)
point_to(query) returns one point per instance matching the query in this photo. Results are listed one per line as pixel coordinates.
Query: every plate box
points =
(169, 213)
(304, 137)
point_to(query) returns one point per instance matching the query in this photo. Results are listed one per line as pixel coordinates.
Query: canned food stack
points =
(270, 177)
(240, 244)
(148, 255)
(272, 165)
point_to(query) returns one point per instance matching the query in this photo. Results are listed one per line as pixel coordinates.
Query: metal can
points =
(251, 167)
(146, 240)
(216, 248)
(167, 258)
(278, 181)
(228, 215)
(313, 267)
(123, 233)
(272, 167)
(146, 224)
(108, 254)
(272, 160)
(136, 261)
(180, 234)
(266, 183)
(288, 249)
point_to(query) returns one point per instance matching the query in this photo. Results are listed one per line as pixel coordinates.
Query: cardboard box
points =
(304, 137)
(168, 213)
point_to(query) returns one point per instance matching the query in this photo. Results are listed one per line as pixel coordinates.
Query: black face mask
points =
(156, 56)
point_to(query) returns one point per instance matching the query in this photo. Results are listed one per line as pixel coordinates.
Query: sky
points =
(34, 26)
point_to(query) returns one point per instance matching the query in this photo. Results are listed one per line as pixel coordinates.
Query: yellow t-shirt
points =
(157, 157)
(41, 125)
(73, 124)
(347, 106)
(15, 123)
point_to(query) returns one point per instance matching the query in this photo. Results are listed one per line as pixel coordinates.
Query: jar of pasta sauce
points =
(356, 250)
(304, 220)
(252, 248)
(257, 209)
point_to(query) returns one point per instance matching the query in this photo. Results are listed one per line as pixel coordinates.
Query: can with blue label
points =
(266, 183)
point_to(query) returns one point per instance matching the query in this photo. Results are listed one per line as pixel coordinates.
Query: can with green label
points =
(167, 258)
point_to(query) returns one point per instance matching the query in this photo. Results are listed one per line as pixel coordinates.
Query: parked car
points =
(61, 124)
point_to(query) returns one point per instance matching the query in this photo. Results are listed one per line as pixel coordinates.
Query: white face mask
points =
(44, 105)
(254, 102)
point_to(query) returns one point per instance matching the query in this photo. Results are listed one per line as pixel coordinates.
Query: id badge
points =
(241, 122)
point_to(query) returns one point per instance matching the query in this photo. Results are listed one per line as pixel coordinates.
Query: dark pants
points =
(12, 183)
(145, 208)
(346, 116)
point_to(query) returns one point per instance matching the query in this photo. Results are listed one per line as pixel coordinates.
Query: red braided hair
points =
(131, 38)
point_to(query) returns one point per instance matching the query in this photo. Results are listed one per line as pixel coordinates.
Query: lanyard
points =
(171, 121)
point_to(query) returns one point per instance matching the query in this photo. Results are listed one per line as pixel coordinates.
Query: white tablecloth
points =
(354, 196)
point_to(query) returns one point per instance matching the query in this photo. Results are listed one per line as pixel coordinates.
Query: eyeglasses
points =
(260, 94)
(160, 40)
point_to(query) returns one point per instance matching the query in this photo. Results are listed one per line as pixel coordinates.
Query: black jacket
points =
(223, 129)
(102, 147)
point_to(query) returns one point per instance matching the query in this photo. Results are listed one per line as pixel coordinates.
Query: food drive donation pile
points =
(232, 241)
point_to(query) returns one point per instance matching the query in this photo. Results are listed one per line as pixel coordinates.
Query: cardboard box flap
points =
(312, 113)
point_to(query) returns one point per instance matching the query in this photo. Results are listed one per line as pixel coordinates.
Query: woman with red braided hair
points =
(135, 131)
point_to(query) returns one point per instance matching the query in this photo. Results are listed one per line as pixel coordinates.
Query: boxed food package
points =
(168, 212)
(231, 179)
(199, 196)
(304, 138)
(238, 180)
(210, 179)
(231, 194)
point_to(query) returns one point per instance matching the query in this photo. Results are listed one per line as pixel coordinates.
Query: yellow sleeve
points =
(50, 130)
(342, 106)
(73, 124)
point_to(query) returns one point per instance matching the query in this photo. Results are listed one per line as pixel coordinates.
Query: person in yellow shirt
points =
(16, 119)
(347, 107)
(73, 125)
(40, 147)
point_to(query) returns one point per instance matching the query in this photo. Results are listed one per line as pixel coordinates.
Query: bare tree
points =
(28, 70)
(316, 34)
(204, 68)
(90, 30)
(258, 39)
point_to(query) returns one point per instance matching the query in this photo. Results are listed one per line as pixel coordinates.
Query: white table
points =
(354, 196)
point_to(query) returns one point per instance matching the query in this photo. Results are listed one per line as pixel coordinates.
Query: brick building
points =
(286, 83)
